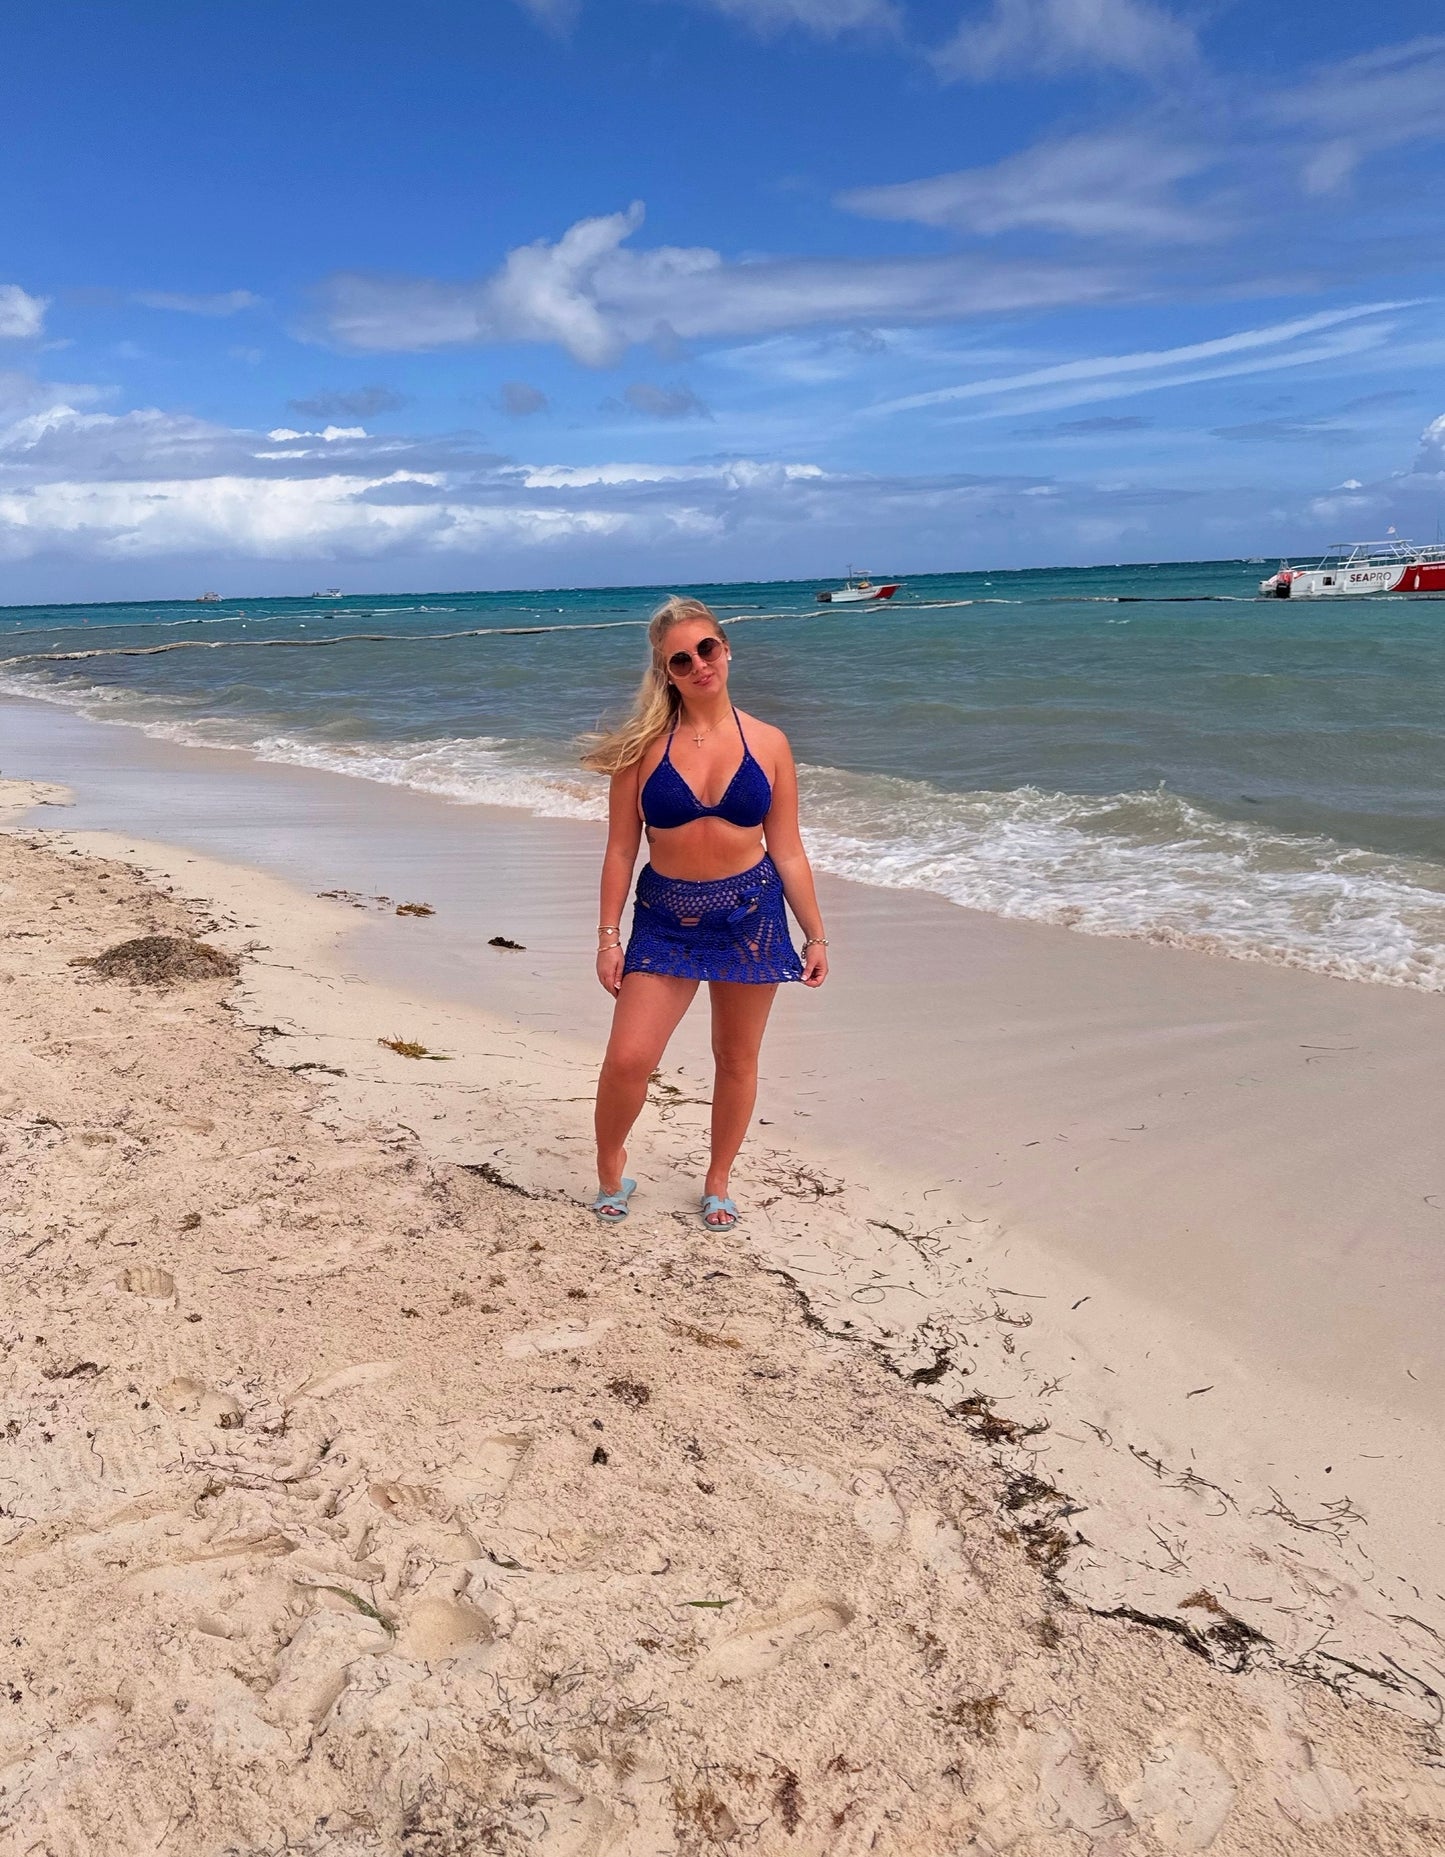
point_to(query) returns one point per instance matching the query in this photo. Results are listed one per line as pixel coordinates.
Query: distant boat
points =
(1355, 570)
(327, 593)
(856, 589)
(207, 599)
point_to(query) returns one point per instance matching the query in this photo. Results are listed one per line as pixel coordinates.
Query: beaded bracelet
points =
(816, 941)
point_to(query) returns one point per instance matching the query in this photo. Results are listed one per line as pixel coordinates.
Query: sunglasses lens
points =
(680, 663)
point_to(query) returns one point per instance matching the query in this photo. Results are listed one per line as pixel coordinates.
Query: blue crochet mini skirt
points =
(733, 928)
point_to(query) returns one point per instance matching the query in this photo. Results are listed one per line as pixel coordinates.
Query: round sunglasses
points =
(680, 663)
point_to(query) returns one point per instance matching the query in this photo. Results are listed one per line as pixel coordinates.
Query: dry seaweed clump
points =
(161, 960)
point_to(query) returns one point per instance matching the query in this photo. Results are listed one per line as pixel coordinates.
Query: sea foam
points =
(1148, 865)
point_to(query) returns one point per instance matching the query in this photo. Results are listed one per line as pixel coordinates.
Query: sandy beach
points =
(1052, 1463)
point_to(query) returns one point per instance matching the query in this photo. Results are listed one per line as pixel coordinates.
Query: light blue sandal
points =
(712, 1203)
(613, 1206)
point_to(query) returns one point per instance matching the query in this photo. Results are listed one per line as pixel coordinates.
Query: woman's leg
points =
(739, 1018)
(646, 1015)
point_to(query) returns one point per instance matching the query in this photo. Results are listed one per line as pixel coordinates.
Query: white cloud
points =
(22, 316)
(595, 299)
(1051, 37)
(1431, 455)
(221, 303)
(1296, 343)
(557, 16)
(329, 435)
(1381, 99)
(828, 19)
(1114, 184)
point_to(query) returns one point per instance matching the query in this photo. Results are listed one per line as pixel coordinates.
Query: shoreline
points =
(335, 1477)
(1016, 1259)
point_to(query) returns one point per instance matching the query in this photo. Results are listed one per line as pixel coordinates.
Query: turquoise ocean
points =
(1139, 750)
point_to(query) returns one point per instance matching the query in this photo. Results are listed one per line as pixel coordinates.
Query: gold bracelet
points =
(816, 941)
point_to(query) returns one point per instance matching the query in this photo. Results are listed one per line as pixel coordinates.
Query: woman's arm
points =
(785, 847)
(624, 835)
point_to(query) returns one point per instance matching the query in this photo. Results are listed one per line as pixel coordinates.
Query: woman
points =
(724, 852)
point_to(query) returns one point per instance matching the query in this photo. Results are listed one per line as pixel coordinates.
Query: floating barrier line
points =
(365, 638)
(822, 611)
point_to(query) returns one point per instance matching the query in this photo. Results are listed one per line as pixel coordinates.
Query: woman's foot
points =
(612, 1207)
(718, 1211)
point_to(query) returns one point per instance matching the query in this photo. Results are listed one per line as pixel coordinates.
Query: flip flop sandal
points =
(714, 1203)
(612, 1207)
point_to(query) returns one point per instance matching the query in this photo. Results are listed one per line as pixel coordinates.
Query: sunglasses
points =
(680, 663)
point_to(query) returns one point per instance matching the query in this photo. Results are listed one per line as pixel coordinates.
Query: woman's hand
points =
(609, 969)
(815, 964)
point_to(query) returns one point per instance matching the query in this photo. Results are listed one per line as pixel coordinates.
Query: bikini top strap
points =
(741, 737)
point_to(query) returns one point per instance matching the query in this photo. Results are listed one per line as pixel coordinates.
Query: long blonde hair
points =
(655, 708)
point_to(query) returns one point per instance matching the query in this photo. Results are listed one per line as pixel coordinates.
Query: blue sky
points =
(541, 292)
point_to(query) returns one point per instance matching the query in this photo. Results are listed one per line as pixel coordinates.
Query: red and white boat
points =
(857, 588)
(1352, 571)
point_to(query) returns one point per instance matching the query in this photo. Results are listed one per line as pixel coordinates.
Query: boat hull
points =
(1353, 583)
(858, 596)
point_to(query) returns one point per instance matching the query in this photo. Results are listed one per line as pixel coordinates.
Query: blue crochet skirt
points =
(733, 928)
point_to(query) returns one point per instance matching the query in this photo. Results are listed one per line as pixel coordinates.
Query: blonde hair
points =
(655, 707)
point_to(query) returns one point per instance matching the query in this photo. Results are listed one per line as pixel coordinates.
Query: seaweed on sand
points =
(161, 960)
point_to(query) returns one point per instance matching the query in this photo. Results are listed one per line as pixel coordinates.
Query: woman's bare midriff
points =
(704, 850)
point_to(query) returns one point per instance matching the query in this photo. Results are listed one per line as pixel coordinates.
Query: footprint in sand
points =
(440, 1628)
(149, 1281)
(1186, 1796)
(343, 1379)
(534, 1341)
(763, 1646)
(185, 1398)
(486, 1474)
(875, 1508)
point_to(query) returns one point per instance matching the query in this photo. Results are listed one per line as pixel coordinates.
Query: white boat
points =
(1355, 570)
(327, 593)
(208, 599)
(856, 589)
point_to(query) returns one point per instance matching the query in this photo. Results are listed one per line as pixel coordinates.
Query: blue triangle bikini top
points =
(668, 801)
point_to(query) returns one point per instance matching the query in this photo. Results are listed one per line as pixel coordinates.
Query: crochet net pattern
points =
(734, 928)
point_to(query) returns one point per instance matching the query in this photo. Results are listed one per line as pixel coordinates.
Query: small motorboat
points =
(856, 589)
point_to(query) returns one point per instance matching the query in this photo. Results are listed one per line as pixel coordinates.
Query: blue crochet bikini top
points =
(668, 801)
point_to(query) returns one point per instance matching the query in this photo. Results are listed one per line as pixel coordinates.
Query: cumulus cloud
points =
(1431, 455)
(1050, 38)
(21, 316)
(353, 403)
(593, 297)
(221, 303)
(665, 402)
(519, 399)
(1114, 184)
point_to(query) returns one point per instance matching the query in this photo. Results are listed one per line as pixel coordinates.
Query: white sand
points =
(355, 1505)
